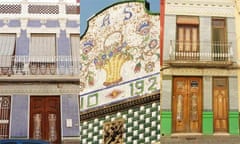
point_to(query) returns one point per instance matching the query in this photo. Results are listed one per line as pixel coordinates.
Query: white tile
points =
(135, 142)
(95, 138)
(129, 139)
(154, 114)
(130, 111)
(147, 110)
(129, 120)
(90, 125)
(147, 140)
(142, 108)
(135, 114)
(147, 130)
(129, 129)
(147, 120)
(153, 124)
(141, 126)
(135, 124)
(84, 132)
(118, 114)
(95, 129)
(135, 133)
(141, 117)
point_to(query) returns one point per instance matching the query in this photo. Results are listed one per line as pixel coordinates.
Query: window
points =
(42, 54)
(219, 42)
(4, 116)
(75, 47)
(7, 47)
(187, 44)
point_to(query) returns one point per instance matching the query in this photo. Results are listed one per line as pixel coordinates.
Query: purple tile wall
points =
(19, 116)
(22, 44)
(70, 111)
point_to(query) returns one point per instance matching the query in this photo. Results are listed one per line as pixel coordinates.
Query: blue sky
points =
(90, 7)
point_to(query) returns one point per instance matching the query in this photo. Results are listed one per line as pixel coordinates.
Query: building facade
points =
(39, 70)
(200, 83)
(120, 75)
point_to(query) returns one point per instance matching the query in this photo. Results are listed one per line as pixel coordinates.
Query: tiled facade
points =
(141, 125)
(32, 74)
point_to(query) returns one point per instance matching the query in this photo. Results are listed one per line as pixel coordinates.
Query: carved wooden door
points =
(187, 104)
(45, 118)
(220, 104)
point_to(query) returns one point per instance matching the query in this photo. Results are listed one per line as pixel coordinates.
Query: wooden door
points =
(45, 118)
(220, 104)
(187, 104)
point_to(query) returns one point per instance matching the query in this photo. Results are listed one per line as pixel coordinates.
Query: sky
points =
(90, 7)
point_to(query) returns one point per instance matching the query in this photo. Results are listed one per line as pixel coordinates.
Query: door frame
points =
(227, 84)
(201, 108)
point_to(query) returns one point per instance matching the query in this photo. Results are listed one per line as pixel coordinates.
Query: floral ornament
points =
(153, 43)
(90, 78)
(87, 47)
(149, 66)
(82, 86)
(137, 67)
(144, 27)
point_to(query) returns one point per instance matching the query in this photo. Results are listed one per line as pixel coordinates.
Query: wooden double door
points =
(45, 118)
(187, 104)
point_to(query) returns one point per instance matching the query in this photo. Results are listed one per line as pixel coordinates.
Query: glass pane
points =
(188, 39)
(194, 39)
(194, 108)
(52, 127)
(180, 39)
(179, 108)
(37, 118)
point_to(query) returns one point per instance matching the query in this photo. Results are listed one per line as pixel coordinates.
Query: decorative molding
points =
(200, 72)
(221, 8)
(39, 89)
(6, 29)
(119, 106)
(31, 30)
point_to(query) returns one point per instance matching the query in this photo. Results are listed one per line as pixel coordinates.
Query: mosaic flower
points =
(149, 66)
(144, 27)
(137, 67)
(153, 43)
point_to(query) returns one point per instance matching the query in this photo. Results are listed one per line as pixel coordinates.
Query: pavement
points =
(201, 139)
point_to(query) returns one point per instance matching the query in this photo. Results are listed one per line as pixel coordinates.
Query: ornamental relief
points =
(121, 43)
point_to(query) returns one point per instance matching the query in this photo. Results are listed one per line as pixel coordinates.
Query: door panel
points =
(220, 104)
(45, 118)
(187, 104)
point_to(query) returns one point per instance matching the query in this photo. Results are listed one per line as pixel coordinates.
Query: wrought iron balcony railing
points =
(200, 52)
(47, 65)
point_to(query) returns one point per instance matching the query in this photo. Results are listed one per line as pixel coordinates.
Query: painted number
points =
(153, 83)
(137, 88)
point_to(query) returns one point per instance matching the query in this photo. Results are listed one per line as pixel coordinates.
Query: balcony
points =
(200, 54)
(26, 68)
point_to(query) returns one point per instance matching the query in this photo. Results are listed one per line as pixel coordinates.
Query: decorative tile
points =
(143, 128)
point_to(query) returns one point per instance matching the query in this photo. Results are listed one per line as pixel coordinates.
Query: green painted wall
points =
(207, 123)
(142, 125)
(166, 122)
(233, 123)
